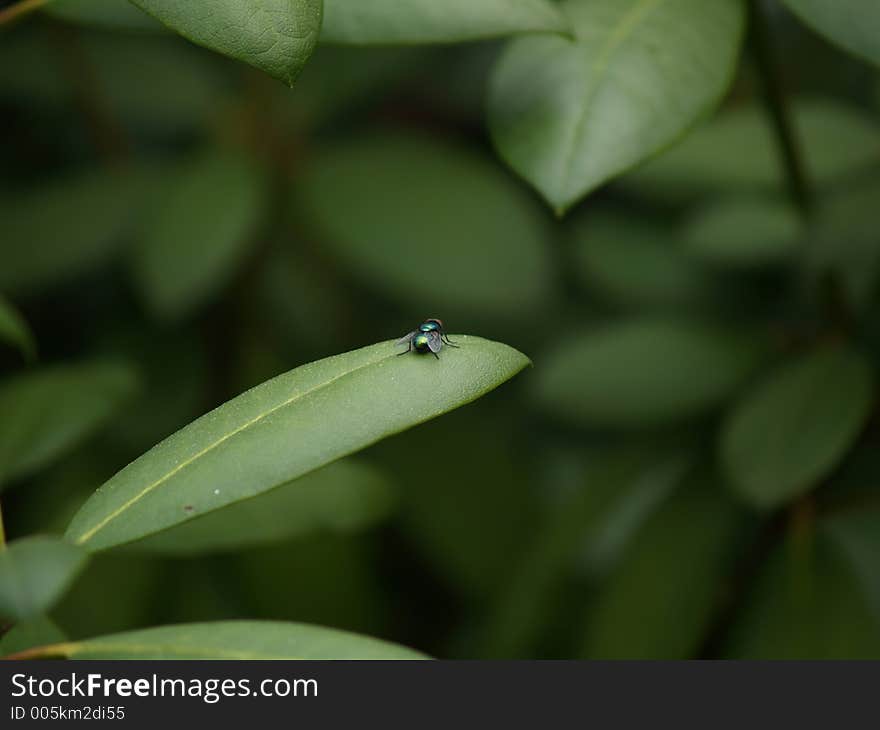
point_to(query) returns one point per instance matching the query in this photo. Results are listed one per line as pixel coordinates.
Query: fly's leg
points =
(408, 349)
(449, 342)
(435, 355)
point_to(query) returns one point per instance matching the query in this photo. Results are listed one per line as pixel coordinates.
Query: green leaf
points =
(744, 232)
(276, 36)
(570, 115)
(643, 372)
(409, 200)
(34, 573)
(600, 504)
(231, 640)
(93, 210)
(425, 21)
(657, 604)
(472, 550)
(857, 534)
(737, 151)
(201, 231)
(851, 24)
(343, 496)
(843, 243)
(14, 330)
(795, 426)
(109, 14)
(806, 604)
(634, 263)
(37, 631)
(285, 428)
(46, 413)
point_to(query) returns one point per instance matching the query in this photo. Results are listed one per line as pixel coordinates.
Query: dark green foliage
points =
(203, 272)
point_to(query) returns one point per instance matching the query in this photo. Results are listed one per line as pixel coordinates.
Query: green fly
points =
(429, 337)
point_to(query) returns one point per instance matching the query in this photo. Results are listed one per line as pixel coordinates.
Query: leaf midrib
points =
(597, 69)
(90, 533)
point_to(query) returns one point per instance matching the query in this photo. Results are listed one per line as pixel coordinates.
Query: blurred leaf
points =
(806, 605)
(231, 640)
(150, 82)
(633, 263)
(424, 21)
(858, 536)
(851, 24)
(34, 573)
(46, 413)
(277, 37)
(135, 583)
(469, 516)
(845, 242)
(109, 14)
(643, 373)
(657, 604)
(603, 503)
(342, 496)
(744, 232)
(14, 330)
(33, 632)
(737, 151)
(63, 228)
(433, 223)
(343, 77)
(203, 227)
(794, 427)
(569, 116)
(326, 409)
(330, 579)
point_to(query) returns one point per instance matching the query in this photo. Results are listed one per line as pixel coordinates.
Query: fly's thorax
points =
(431, 325)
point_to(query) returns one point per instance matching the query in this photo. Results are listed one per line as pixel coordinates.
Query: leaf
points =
(857, 535)
(570, 115)
(14, 330)
(658, 603)
(200, 233)
(285, 428)
(793, 428)
(806, 604)
(737, 151)
(744, 232)
(231, 640)
(678, 370)
(93, 211)
(343, 496)
(471, 550)
(109, 14)
(425, 21)
(34, 573)
(276, 36)
(633, 263)
(843, 244)
(431, 222)
(599, 505)
(852, 24)
(326, 579)
(33, 632)
(46, 413)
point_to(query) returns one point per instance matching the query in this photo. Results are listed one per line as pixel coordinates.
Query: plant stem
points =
(9, 14)
(774, 92)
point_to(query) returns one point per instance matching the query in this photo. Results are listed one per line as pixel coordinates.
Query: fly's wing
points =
(406, 338)
(434, 341)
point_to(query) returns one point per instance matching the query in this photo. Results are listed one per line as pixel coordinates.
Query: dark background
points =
(506, 529)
